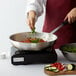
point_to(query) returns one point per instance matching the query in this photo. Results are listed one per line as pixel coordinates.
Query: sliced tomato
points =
(41, 40)
(26, 41)
(58, 65)
(62, 68)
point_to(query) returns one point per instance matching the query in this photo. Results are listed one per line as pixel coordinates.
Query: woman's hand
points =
(71, 16)
(31, 18)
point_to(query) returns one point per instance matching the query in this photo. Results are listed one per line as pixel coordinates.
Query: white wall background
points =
(12, 20)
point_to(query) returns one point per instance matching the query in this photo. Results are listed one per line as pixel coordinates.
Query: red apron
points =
(56, 10)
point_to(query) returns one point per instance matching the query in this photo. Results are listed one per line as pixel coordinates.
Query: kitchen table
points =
(7, 69)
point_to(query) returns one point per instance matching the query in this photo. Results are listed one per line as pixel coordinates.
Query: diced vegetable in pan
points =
(33, 40)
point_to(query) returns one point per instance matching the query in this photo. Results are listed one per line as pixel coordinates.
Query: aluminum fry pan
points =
(48, 37)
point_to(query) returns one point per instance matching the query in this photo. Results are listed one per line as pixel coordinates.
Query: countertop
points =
(7, 69)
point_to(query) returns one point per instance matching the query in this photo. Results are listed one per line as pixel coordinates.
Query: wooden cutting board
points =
(60, 73)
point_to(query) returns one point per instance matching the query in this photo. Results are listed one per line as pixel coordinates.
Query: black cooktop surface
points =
(23, 57)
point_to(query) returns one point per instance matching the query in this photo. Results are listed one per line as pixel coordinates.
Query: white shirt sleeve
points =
(36, 5)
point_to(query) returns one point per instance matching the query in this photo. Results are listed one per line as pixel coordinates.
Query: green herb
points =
(69, 49)
(33, 30)
(35, 41)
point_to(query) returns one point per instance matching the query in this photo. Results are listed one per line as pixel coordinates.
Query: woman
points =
(57, 11)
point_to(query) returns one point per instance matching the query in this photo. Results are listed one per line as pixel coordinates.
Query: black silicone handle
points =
(65, 22)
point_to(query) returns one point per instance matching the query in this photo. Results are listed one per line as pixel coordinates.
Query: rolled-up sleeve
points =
(35, 5)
